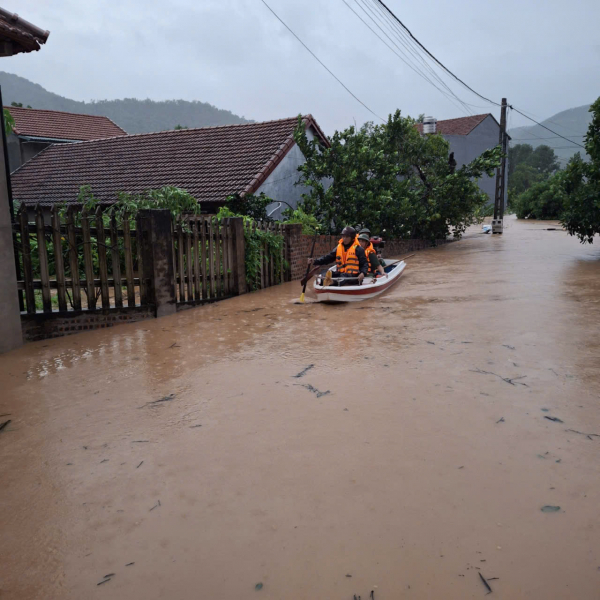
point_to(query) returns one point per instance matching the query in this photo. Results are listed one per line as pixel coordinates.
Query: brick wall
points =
(298, 248)
(42, 326)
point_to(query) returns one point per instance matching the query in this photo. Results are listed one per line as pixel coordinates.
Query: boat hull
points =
(358, 293)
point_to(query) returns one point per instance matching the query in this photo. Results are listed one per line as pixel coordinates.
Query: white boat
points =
(355, 293)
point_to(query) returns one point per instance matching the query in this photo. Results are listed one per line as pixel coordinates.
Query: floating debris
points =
(555, 419)
(155, 506)
(130, 564)
(303, 372)
(140, 465)
(163, 399)
(550, 509)
(487, 585)
(258, 586)
(3, 425)
(314, 390)
(500, 420)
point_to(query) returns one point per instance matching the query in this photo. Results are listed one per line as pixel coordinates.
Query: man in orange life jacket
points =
(348, 255)
(372, 260)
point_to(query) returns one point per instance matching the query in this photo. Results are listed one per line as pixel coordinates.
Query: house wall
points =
(279, 185)
(468, 147)
(20, 151)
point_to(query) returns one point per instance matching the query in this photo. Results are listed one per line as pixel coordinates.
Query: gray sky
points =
(544, 56)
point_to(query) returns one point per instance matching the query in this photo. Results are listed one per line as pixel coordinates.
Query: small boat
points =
(355, 293)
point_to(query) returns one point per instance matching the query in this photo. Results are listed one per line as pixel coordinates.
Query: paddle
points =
(306, 278)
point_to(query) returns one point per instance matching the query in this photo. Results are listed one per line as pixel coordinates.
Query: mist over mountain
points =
(133, 115)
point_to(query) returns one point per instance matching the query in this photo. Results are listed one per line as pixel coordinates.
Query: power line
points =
(551, 137)
(460, 80)
(322, 63)
(414, 68)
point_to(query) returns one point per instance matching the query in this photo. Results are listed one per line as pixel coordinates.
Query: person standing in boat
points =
(349, 257)
(374, 265)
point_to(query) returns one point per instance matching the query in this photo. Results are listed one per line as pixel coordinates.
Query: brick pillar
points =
(10, 314)
(157, 259)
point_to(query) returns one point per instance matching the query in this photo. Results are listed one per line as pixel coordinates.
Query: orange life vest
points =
(368, 251)
(346, 260)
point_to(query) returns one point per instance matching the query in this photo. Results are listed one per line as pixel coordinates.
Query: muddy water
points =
(414, 455)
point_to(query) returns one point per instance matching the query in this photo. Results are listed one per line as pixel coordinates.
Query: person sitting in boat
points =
(349, 257)
(374, 265)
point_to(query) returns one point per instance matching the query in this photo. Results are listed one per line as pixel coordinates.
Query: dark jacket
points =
(363, 265)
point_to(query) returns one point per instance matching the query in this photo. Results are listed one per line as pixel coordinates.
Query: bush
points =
(543, 200)
(309, 223)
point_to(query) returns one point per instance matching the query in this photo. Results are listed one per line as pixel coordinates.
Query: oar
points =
(399, 260)
(312, 251)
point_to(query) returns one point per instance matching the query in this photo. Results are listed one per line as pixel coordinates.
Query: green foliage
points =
(582, 184)
(543, 200)
(309, 222)
(527, 166)
(9, 121)
(250, 205)
(393, 179)
(177, 127)
(17, 104)
(255, 241)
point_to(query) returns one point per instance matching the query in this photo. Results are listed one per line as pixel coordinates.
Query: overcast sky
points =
(543, 56)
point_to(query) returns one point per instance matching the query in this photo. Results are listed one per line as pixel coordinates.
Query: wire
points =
(461, 81)
(551, 137)
(433, 57)
(322, 63)
(396, 53)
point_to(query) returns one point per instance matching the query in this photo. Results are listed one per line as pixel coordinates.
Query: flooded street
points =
(259, 449)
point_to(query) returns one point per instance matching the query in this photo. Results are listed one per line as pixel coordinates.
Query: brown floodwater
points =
(412, 455)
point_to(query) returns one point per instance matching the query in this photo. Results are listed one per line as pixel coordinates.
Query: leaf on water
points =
(550, 509)
(258, 586)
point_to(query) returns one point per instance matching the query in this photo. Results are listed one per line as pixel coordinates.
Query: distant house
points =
(210, 163)
(468, 138)
(37, 129)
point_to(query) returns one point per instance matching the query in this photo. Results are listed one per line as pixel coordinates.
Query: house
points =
(210, 163)
(468, 138)
(36, 129)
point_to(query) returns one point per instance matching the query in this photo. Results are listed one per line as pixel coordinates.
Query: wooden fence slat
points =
(188, 266)
(88, 262)
(128, 261)
(180, 266)
(262, 262)
(140, 263)
(219, 256)
(197, 288)
(73, 258)
(27, 270)
(43, 254)
(103, 267)
(202, 223)
(282, 257)
(211, 258)
(116, 262)
(58, 259)
(272, 260)
(226, 246)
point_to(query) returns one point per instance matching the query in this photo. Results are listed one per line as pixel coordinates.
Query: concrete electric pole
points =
(497, 221)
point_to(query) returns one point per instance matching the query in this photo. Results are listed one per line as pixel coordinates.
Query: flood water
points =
(413, 454)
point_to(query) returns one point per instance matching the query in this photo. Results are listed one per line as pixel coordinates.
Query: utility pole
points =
(497, 221)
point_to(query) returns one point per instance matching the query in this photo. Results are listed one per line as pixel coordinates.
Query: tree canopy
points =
(393, 179)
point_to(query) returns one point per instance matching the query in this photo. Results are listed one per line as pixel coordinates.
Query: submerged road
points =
(258, 449)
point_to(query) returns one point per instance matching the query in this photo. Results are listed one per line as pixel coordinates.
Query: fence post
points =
(157, 259)
(239, 256)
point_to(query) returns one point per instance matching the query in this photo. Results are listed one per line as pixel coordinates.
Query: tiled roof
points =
(460, 126)
(210, 163)
(21, 35)
(56, 125)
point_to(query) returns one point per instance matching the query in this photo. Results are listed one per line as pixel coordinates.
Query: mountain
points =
(134, 116)
(571, 123)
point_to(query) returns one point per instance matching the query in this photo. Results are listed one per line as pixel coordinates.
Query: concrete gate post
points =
(157, 259)
(10, 315)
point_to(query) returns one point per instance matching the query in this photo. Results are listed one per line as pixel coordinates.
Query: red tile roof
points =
(20, 35)
(56, 125)
(210, 163)
(460, 126)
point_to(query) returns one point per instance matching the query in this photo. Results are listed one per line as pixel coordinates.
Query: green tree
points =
(178, 127)
(250, 205)
(582, 185)
(392, 179)
(9, 121)
(543, 200)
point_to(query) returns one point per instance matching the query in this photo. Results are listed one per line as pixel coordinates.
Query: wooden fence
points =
(79, 261)
(71, 261)
(204, 251)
